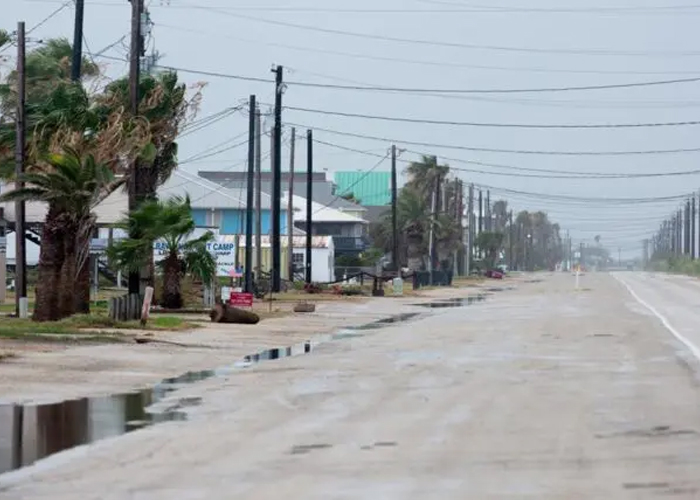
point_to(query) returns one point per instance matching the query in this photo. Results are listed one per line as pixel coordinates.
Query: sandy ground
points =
(541, 392)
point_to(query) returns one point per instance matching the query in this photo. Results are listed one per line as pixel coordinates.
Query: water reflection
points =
(37, 431)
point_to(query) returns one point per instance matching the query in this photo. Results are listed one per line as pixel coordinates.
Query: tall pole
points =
(481, 216)
(250, 188)
(20, 149)
(431, 241)
(693, 240)
(511, 237)
(134, 78)
(277, 183)
(78, 40)
(309, 195)
(686, 226)
(290, 208)
(258, 194)
(394, 214)
(489, 220)
(470, 230)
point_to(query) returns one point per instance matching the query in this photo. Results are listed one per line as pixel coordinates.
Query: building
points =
(332, 215)
(217, 206)
(370, 189)
(322, 255)
(324, 191)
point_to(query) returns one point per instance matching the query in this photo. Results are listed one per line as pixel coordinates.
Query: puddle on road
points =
(31, 432)
(461, 302)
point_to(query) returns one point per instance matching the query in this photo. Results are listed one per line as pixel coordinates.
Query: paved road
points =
(542, 392)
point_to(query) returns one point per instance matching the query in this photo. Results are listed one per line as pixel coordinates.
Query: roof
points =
(206, 194)
(324, 192)
(320, 213)
(370, 188)
(376, 214)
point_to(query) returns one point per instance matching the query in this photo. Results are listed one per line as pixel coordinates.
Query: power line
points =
(435, 43)
(439, 64)
(53, 14)
(424, 121)
(539, 173)
(496, 150)
(425, 90)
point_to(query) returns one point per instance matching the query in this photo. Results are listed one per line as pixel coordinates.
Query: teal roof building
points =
(370, 188)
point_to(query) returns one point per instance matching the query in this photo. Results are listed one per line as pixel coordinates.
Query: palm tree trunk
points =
(66, 296)
(82, 290)
(82, 282)
(172, 296)
(51, 256)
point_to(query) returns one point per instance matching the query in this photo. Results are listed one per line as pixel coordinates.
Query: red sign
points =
(240, 299)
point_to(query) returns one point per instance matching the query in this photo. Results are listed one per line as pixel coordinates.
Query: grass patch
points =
(83, 327)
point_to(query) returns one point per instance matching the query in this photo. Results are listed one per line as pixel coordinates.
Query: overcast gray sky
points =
(585, 43)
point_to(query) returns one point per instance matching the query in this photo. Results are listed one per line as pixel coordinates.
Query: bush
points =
(314, 288)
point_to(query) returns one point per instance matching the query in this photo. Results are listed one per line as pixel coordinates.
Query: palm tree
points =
(423, 175)
(71, 186)
(169, 222)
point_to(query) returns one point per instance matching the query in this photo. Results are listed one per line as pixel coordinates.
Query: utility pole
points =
(309, 195)
(431, 241)
(394, 214)
(258, 195)
(470, 230)
(489, 220)
(135, 187)
(688, 219)
(277, 183)
(459, 219)
(21, 301)
(693, 240)
(481, 216)
(581, 260)
(78, 40)
(435, 258)
(290, 208)
(250, 188)
(511, 237)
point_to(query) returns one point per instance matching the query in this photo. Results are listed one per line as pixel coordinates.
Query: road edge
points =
(664, 321)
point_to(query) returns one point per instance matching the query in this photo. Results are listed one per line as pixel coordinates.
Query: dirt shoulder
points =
(53, 371)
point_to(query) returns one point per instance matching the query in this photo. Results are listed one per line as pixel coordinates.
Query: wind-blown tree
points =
(61, 114)
(171, 223)
(424, 174)
(71, 187)
(538, 244)
(491, 243)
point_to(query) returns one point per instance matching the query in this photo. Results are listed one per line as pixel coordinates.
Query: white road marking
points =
(692, 347)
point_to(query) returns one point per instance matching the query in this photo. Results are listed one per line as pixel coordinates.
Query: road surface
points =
(541, 392)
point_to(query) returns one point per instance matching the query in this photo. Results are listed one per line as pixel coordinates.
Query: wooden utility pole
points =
(250, 188)
(135, 183)
(309, 196)
(693, 240)
(394, 214)
(76, 65)
(21, 301)
(277, 184)
(489, 220)
(258, 195)
(470, 231)
(290, 209)
(511, 237)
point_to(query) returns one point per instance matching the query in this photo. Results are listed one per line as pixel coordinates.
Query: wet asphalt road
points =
(542, 392)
